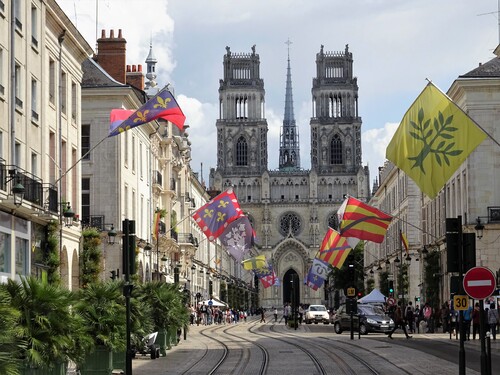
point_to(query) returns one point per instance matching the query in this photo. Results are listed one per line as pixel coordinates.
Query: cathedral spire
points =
(289, 137)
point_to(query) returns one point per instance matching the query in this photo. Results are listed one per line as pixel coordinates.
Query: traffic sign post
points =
(479, 283)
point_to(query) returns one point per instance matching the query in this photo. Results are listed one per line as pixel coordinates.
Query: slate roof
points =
(95, 76)
(489, 69)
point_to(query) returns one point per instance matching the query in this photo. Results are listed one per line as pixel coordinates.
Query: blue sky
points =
(396, 46)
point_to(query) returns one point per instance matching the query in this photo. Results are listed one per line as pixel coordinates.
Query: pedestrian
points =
(493, 320)
(467, 322)
(262, 315)
(275, 314)
(427, 310)
(301, 313)
(410, 318)
(399, 322)
(418, 317)
(476, 315)
(445, 317)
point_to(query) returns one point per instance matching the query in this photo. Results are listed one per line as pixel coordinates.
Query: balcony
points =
(157, 178)
(36, 192)
(94, 221)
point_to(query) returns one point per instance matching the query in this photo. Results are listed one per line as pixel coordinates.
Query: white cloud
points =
(396, 45)
(374, 143)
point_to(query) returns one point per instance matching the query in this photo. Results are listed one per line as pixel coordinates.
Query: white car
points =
(316, 314)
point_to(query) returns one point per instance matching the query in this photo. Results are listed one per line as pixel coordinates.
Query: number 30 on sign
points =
(461, 302)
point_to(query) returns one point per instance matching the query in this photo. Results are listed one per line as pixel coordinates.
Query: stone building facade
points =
(290, 208)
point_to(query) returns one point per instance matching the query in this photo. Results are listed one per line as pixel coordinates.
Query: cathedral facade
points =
(290, 208)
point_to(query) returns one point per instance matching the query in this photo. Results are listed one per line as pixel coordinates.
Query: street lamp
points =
(68, 214)
(18, 189)
(112, 235)
(479, 228)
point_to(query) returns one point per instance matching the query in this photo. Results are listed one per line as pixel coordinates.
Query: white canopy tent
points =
(215, 302)
(375, 296)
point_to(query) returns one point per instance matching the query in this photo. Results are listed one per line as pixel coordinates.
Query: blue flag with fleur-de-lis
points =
(162, 105)
(214, 217)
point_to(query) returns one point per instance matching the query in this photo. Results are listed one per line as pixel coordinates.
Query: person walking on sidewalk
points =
(493, 320)
(475, 321)
(399, 321)
(275, 314)
(262, 315)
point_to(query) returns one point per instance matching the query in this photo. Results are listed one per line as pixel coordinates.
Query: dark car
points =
(370, 318)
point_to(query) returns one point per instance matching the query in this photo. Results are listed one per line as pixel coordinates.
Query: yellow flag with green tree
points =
(433, 139)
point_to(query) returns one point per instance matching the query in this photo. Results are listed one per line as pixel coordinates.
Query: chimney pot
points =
(112, 34)
(120, 33)
(103, 34)
(128, 68)
(139, 68)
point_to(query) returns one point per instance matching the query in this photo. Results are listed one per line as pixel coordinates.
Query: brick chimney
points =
(135, 77)
(111, 55)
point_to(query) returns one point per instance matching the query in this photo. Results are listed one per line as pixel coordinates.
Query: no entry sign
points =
(479, 282)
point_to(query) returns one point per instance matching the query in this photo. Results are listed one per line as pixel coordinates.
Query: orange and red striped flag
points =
(404, 241)
(360, 220)
(334, 249)
(156, 225)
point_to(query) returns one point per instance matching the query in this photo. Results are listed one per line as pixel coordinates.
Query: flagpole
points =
(79, 160)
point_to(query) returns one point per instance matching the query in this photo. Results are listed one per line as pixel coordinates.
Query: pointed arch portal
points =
(291, 288)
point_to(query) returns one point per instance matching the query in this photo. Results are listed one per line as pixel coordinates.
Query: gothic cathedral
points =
(290, 208)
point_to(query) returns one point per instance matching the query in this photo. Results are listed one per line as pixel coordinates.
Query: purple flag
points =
(237, 237)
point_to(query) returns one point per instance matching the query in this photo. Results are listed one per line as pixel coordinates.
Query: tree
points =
(342, 277)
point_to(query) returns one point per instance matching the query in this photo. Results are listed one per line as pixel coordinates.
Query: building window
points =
(34, 100)
(86, 199)
(241, 152)
(2, 87)
(64, 96)
(140, 160)
(5, 252)
(290, 223)
(133, 153)
(34, 26)
(18, 87)
(52, 81)
(336, 150)
(34, 164)
(17, 14)
(22, 256)
(73, 101)
(86, 142)
(333, 221)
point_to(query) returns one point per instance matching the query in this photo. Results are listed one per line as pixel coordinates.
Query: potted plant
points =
(47, 326)
(101, 305)
(10, 344)
(167, 310)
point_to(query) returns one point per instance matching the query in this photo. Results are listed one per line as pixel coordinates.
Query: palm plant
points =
(9, 339)
(47, 325)
(101, 305)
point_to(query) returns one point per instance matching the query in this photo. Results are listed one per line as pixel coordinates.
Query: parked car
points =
(316, 314)
(369, 318)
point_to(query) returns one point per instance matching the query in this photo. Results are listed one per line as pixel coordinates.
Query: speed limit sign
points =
(461, 302)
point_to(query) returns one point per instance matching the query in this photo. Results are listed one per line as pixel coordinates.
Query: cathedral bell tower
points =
(335, 123)
(241, 127)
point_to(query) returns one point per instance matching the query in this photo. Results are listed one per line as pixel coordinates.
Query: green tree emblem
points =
(439, 134)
